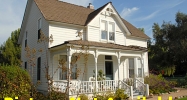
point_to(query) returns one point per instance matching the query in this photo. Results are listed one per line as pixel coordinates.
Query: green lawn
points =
(183, 98)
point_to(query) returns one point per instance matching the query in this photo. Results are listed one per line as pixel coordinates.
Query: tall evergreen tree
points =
(169, 51)
(10, 50)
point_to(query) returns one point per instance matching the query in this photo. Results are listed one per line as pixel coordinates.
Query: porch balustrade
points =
(86, 87)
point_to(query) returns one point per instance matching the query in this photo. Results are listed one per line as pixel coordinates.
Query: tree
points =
(170, 48)
(10, 50)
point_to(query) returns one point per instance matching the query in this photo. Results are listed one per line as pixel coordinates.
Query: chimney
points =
(90, 6)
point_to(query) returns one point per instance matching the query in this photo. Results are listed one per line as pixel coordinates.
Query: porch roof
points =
(104, 45)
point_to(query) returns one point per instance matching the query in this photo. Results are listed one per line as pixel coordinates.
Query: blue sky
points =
(141, 13)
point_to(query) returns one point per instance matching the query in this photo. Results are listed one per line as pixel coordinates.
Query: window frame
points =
(39, 27)
(107, 29)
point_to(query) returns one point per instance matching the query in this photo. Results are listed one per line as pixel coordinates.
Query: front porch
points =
(123, 69)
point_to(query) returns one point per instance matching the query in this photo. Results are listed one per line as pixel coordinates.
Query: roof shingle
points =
(59, 11)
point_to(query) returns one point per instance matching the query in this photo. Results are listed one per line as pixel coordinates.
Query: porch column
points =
(118, 69)
(118, 57)
(96, 56)
(96, 74)
(142, 61)
(68, 67)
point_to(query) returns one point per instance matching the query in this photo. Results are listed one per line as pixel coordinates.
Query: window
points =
(39, 27)
(107, 30)
(63, 71)
(38, 68)
(108, 57)
(25, 65)
(74, 71)
(131, 68)
(104, 30)
(111, 31)
(26, 39)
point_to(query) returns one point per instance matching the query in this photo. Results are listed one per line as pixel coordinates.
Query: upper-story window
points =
(107, 30)
(26, 39)
(104, 30)
(111, 31)
(39, 27)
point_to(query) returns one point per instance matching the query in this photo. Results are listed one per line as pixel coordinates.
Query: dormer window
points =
(107, 30)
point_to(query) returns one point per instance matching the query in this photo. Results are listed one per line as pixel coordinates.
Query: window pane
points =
(108, 57)
(39, 23)
(38, 68)
(104, 35)
(62, 74)
(139, 72)
(111, 35)
(131, 63)
(111, 27)
(103, 25)
(131, 73)
(74, 72)
(25, 65)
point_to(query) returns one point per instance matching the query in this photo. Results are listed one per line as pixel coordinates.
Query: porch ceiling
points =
(103, 45)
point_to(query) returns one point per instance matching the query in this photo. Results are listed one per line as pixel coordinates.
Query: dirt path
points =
(181, 92)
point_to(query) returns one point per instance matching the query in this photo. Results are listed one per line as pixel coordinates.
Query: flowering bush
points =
(157, 84)
(14, 81)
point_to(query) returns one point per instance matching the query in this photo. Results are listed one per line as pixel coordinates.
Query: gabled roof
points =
(102, 45)
(59, 11)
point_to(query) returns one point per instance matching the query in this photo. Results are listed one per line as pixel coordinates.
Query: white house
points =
(115, 46)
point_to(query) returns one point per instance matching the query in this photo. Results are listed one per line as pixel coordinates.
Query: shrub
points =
(120, 94)
(14, 81)
(157, 84)
(83, 97)
(55, 95)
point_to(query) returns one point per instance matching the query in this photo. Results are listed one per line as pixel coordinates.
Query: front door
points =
(109, 70)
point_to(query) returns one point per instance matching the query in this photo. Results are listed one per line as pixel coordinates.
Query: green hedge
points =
(14, 81)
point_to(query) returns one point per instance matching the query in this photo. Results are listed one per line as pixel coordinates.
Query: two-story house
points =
(115, 46)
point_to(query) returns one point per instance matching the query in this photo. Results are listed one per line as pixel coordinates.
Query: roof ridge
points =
(73, 4)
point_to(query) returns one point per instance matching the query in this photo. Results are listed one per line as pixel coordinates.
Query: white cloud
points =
(150, 16)
(128, 11)
(79, 2)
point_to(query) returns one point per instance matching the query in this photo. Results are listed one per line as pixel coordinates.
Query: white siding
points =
(63, 33)
(94, 33)
(32, 38)
(136, 42)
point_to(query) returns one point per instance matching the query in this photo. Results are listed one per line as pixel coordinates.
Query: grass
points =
(183, 98)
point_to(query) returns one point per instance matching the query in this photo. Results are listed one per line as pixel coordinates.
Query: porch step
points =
(136, 94)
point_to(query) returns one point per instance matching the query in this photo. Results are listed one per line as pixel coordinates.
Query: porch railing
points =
(128, 89)
(83, 87)
(141, 87)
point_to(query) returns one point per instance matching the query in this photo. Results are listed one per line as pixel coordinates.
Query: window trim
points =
(39, 29)
(107, 40)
